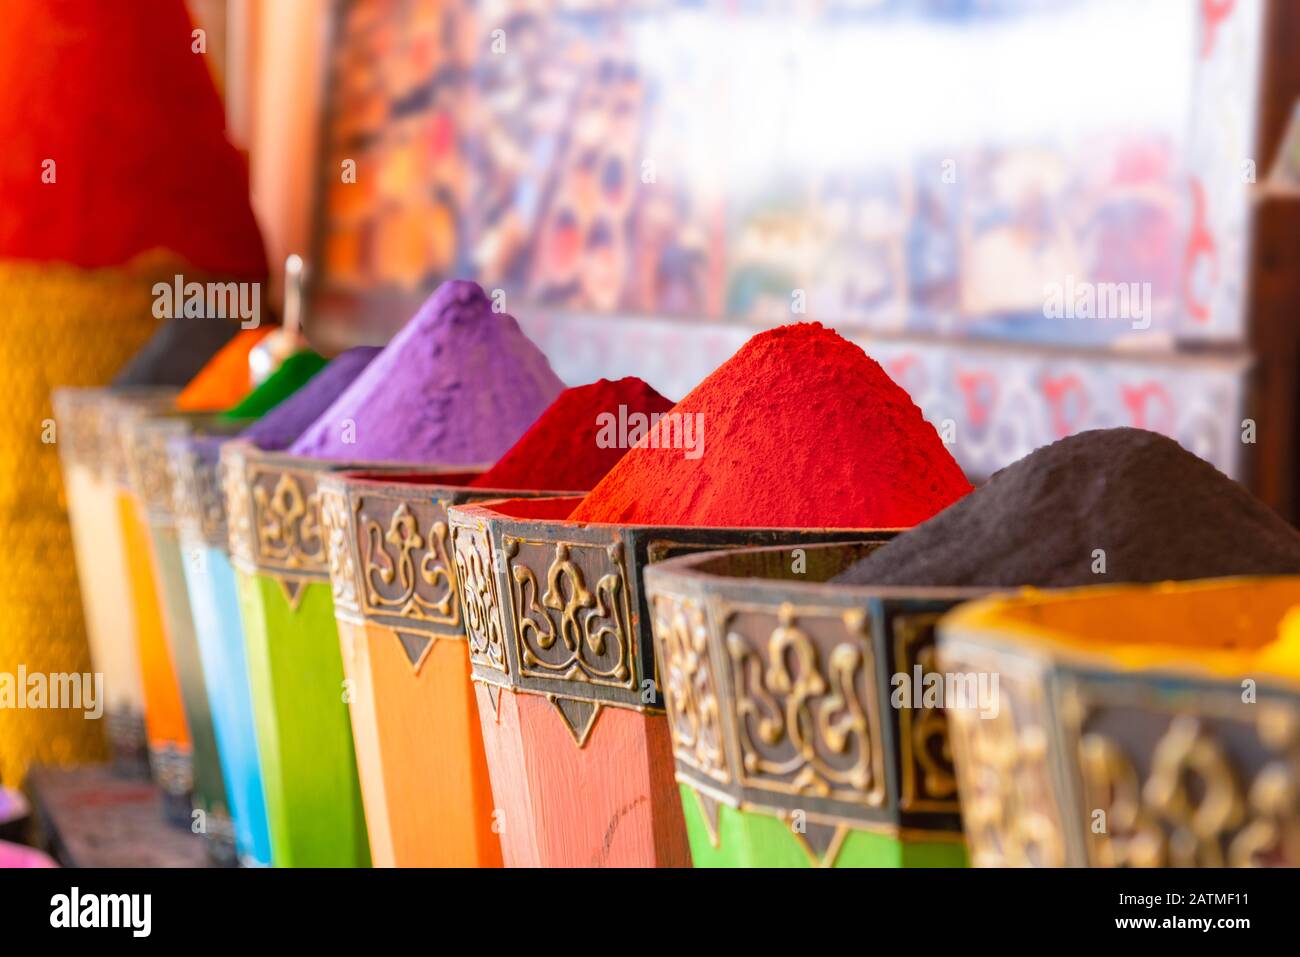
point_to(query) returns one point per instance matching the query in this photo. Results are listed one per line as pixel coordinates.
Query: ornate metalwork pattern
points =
(1009, 806)
(121, 417)
(690, 688)
(1218, 783)
(200, 504)
(567, 629)
(150, 472)
(576, 623)
(1271, 834)
(239, 510)
(337, 531)
(286, 521)
(404, 554)
(806, 709)
(210, 504)
(479, 598)
(181, 464)
(929, 782)
(113, 448)
(79, 413)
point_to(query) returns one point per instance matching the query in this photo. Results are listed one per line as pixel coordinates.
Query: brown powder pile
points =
(1154, 510)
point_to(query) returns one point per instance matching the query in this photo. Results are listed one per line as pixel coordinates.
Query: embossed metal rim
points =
(361, 564)
(270, 532)
(155, 478)
(152, 480)
(267, 533)
(200, 498)
(79, 414)
(707, 656)
(500, 530)
(118, 408)
(686, 570)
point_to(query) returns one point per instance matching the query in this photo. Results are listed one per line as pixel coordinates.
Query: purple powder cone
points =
(457, 386)
(206, 448)
(276, 430)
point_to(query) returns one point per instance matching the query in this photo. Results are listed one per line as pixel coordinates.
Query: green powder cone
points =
(292, 375)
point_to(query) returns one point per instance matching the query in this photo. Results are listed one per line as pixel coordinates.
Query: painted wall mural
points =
(734, 165)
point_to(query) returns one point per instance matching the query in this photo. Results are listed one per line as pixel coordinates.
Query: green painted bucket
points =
(295, 669)
(791, 748)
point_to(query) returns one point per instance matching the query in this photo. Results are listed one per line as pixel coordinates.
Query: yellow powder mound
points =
(1237, 627)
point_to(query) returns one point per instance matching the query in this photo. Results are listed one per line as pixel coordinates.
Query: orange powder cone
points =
(226, 378)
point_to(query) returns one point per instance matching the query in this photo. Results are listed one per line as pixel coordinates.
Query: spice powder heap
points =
(576, 440)
(176, 353)
(456, 386)
(799, 429)
(143, 160)
(276, 430)
(1103, 506)
(295, 372)
(225, 379)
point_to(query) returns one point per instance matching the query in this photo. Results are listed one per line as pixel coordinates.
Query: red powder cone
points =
(569, 447)
(799, 429)
(115, 173)
(117, 101)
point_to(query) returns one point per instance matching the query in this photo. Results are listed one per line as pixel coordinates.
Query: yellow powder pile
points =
(1229, 626)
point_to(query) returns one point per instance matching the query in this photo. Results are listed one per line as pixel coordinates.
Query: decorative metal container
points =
(300, 693)
(171, 758)
(95, 479)
(1137, 725)
(210, 583)
(415, 724)
(562, 657)
(793, 743)
(154, 484)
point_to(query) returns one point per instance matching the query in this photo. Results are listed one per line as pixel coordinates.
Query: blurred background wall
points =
(649, 182)
(267, 57)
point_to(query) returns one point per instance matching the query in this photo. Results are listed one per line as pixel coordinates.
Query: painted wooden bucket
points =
(170, 750)
(299, 691)
(1125, 734)
(154, 482)
(94, 477)
(414, 720)
(210, 583)
(562, 658)
(792, 747)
